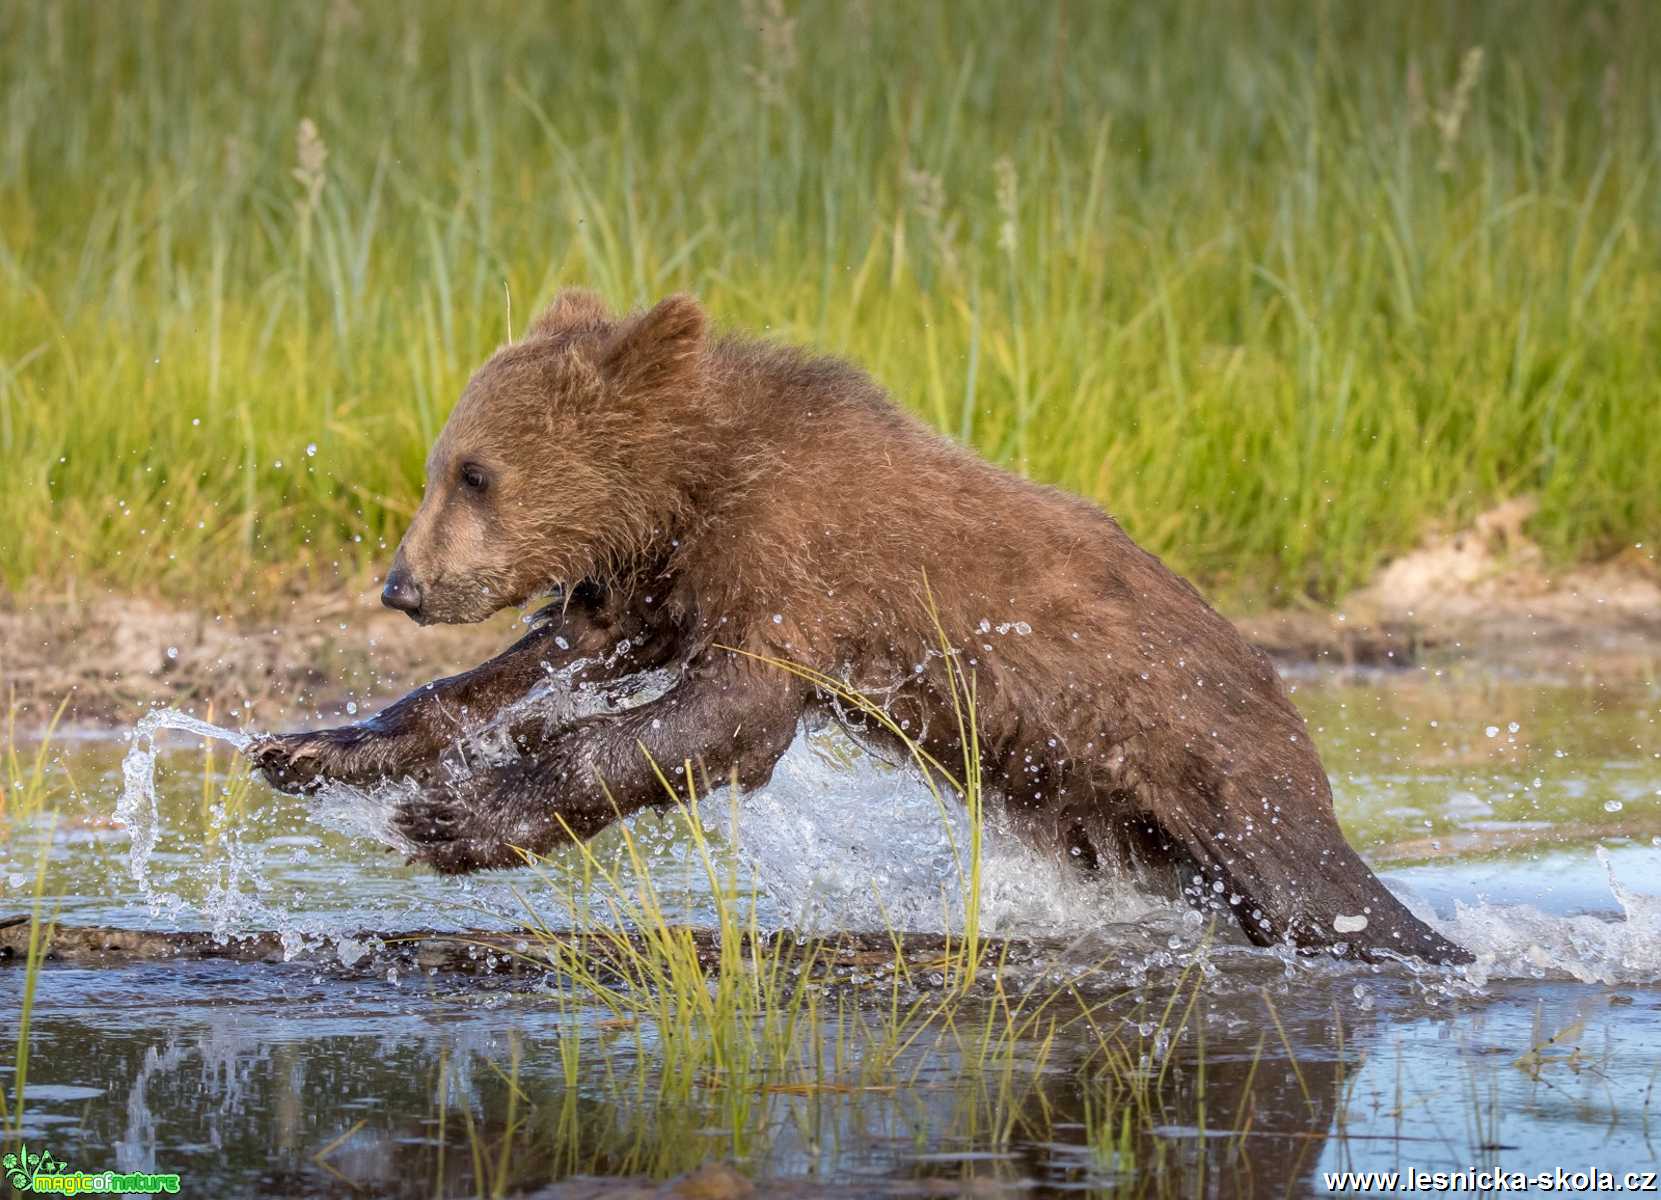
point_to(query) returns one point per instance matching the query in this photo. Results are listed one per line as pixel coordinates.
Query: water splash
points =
(258, 872)
(838, 839)
(136, 808)
(1519, 941)
(367, 812)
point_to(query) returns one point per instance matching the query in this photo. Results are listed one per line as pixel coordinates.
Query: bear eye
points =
(473, 477)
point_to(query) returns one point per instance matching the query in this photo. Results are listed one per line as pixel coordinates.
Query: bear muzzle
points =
(402, 592)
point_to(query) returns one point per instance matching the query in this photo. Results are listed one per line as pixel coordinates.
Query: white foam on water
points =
(1519, 941)
(839, 839)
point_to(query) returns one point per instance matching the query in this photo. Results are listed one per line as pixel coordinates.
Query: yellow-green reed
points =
(29, 780)
(41, 924)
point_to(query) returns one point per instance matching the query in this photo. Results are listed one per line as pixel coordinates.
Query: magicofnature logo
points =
(28, 1171)
(24, 1166)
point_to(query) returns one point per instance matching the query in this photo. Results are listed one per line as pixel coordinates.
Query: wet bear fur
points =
(716, 505)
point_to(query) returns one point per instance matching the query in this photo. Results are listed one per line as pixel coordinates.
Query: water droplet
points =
(351, 708)
(172, 652)
(350, 951)
(311, 449)
(1612, 806)
(1492, 731)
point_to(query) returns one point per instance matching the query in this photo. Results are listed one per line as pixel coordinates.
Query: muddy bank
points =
(321, 658)
(1485, 598)
(1481, 599)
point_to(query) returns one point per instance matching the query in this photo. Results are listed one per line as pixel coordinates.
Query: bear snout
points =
(402, 592)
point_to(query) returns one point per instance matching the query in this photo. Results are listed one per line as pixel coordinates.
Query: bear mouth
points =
(554, 599)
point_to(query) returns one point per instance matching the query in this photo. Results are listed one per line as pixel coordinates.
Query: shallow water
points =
(1527, 818)
(236, 1077)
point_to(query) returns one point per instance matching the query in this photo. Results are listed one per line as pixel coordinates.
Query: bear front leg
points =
(731, 719)
(408, 737)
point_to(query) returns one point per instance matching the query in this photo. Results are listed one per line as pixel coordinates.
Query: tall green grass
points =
(1279, 284)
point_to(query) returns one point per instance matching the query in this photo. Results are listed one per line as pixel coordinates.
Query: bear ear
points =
(573, 307)
(657, 349)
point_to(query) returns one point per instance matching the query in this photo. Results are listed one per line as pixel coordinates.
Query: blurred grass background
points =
(1281, 285)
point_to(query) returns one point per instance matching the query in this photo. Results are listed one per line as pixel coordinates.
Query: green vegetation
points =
(1278, 284)
(704, 1032)
(707, 1035)
(40, 934)
(224, 794)
(29, 776)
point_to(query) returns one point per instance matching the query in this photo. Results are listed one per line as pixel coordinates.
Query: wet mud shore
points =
(328, 657)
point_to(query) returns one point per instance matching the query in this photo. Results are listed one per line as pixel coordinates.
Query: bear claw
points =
(291, 763)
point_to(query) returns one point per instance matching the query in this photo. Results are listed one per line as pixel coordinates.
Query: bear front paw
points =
(451, 836)
(291, 762)
(299, 763)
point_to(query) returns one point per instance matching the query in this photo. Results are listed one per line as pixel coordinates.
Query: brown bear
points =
(703, 503)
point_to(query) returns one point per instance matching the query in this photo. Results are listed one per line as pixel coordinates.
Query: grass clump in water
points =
(41, 924)
(705, 1037)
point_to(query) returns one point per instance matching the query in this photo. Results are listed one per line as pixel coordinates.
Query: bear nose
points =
(402, 592)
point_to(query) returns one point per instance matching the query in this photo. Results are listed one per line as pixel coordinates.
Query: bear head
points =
(564, 460)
